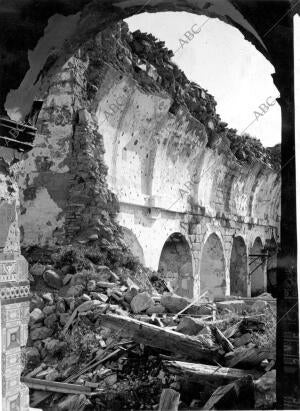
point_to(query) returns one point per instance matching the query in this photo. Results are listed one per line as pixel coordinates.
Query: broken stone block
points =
(156, 309)
(61, 306)
(75, 290)
(190, 326)
(173, 303)
(99, 296)
(54, 346)
(103, 273)
(53, 279)
(49, 309)
(40, 333)
(234, 306)
(88, 305)
(32, 356)
(36, 315)
(67, 278)
(37, 269)
(50, 321)
(52, 375)
(36, 302)
(91, 285)
(48, 297)
(63, 318)
(128, 296)
(141, 302)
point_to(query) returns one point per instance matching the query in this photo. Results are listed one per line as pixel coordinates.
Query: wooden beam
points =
(236, 395)
(203, 372)
(169, 400)
(154, 336)
(249, 356)
(54, 386)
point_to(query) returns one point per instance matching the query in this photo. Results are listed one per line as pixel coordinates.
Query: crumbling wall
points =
(123, 135)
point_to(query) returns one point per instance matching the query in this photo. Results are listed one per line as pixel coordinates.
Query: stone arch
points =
(212, 267)
(133, 244)
(257, 268)
(176, 264)
(238, 268)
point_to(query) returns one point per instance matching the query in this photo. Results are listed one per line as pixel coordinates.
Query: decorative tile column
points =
(14, 290)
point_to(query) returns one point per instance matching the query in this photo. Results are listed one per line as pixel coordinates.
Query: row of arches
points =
(246, 269)
(244, 274)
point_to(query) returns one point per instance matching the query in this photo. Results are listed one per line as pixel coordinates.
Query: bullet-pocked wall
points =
(105, 131)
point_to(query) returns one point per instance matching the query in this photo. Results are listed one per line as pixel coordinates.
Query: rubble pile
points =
(104, 338)
(150, 63)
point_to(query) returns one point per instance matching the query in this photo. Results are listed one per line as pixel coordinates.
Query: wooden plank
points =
(54, 386)
(249, 356)
(169, 400)
(221, 339)
(236, 395)
(154, 336)
(203, 372)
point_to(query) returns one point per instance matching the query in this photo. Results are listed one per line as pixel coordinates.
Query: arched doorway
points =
(176, 266)
(238, 268)
(257, 268)
(133, 244)
(212, 269)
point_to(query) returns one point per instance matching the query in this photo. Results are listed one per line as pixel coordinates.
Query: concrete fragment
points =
(141, 302)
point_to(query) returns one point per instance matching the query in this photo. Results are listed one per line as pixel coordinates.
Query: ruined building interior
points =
(138, 230)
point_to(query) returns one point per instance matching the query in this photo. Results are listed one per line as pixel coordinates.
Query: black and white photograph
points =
(149, 205)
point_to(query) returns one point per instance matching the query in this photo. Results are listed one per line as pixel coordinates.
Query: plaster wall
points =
(158, 165)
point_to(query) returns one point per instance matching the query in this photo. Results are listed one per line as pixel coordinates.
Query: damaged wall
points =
(110, 128)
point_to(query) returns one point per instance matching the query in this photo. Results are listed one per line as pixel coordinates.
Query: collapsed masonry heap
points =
(150, 63)
(107, 340)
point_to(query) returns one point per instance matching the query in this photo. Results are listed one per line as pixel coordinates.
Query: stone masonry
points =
(111, 127)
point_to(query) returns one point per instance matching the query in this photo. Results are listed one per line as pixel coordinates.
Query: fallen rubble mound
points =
(104, 339)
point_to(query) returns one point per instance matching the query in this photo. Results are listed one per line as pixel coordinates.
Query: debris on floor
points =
(99, 340)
